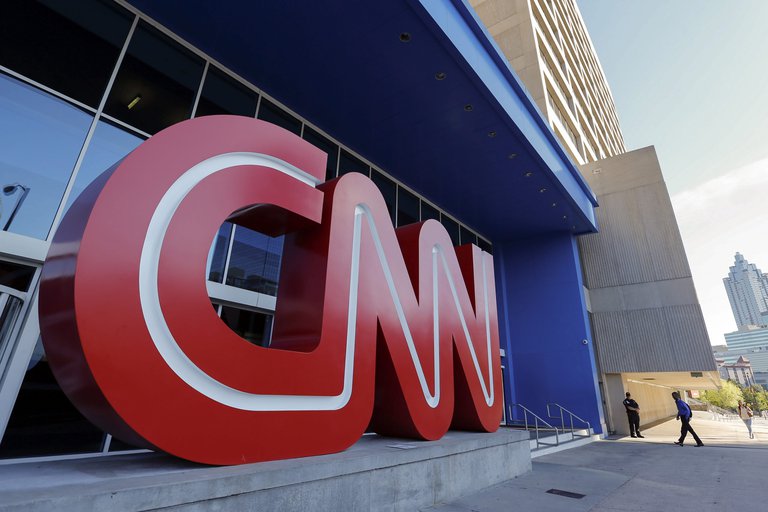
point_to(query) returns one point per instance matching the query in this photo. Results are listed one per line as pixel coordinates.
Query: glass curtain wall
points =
(81, 85)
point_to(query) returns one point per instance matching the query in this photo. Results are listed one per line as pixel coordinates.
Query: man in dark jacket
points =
(684, 414)
(633, 415)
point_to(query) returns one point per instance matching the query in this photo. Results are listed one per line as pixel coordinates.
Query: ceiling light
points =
(440, 76)
(528, 174)
(405, 37)
(134, 101)
(512, 155)
(554, 204)
(542, 190)
(491, 134)
(565, 217)
(468, 107)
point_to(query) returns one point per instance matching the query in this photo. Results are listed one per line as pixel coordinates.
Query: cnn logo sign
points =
(391, 331)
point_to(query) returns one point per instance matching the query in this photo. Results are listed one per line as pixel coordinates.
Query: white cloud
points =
(718, 218)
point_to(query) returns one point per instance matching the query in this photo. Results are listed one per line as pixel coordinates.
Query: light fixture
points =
(134, 101)
(468, 107)
(440, 76)
(565, 217)
(405, 37)
(511, 155)
(554, 204)
(491, 134)
(528, 174)
(9, 190)
(542, 190)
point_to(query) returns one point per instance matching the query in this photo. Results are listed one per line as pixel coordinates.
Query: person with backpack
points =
(684, 414)
(745, 413)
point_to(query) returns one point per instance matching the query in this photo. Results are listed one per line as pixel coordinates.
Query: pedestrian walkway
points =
(642, 475)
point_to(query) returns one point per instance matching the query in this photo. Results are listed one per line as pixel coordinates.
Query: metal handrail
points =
(571, 416)
(536, 420)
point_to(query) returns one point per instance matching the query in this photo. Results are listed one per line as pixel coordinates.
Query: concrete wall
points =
(655, 402)
(646, 316)
(375, 474)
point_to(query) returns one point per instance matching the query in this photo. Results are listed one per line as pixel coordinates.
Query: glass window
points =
(16, 276)
(250, 325)
(484, 245)
(350, 163)
(429, 212)
(71, 47)
(108, 145)
(407, 207)
(388, 189)
(452, 227)
(331, 149)
(43, 421)
(271, 113)
(467, 237)
(224, 95)
(41, 139)
(218, 256)
(255, 261)
(157, 82)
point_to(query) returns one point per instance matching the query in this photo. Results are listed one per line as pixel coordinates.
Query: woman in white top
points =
(745, 413)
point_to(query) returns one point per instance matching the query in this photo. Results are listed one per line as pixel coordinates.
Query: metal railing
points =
(571, 417)
(535, 425)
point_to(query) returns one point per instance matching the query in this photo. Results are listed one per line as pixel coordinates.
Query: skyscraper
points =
(747, 289)
(647, 325)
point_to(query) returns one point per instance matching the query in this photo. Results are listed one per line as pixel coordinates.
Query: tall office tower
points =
(547, 44)
(747, 289)
(647, 324)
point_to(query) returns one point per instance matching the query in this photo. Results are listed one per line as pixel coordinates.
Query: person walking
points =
(745, 413)
(633, 415)
(684, 414)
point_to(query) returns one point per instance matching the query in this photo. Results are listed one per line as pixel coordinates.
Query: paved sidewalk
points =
(651, 474)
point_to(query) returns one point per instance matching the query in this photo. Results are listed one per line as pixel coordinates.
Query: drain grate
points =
(567, 494)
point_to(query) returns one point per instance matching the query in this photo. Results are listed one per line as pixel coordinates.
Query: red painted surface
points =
(341, 257)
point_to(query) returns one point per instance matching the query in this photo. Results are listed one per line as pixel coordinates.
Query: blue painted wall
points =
(543, 322)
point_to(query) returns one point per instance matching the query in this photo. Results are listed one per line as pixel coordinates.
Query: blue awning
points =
(416, 86)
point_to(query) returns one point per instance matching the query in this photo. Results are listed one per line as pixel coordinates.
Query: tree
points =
(726, 396)
(757, 397)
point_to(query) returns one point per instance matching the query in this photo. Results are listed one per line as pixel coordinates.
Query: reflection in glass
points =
(255, 261)
(429, 212)
(16, 276)
(350, 163)
(467, 236)
(331, 149)
(108, 145)
(388, 189)
(218, 255)
(156, 84)
(452, 227)
(486, 246)
(249, 325)
(71, 47)
(43, 421)
(41, 139)
(223, 95)
(271, 113)
(407, 207)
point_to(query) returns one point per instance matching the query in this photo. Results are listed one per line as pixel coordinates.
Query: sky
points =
(690, 77)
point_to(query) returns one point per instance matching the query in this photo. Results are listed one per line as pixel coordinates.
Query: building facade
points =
(425, 107)
(548, 45)
(747, 289)
(739, 372)
(646, 319)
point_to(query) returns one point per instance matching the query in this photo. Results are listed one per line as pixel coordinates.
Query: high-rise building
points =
(747, 289)
(646, 320)
(548, 45)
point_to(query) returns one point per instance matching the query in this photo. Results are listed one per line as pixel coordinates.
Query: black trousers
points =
(685, 427)
(634, 422)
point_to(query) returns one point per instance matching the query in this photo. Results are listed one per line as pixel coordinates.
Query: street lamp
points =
(9, 190)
